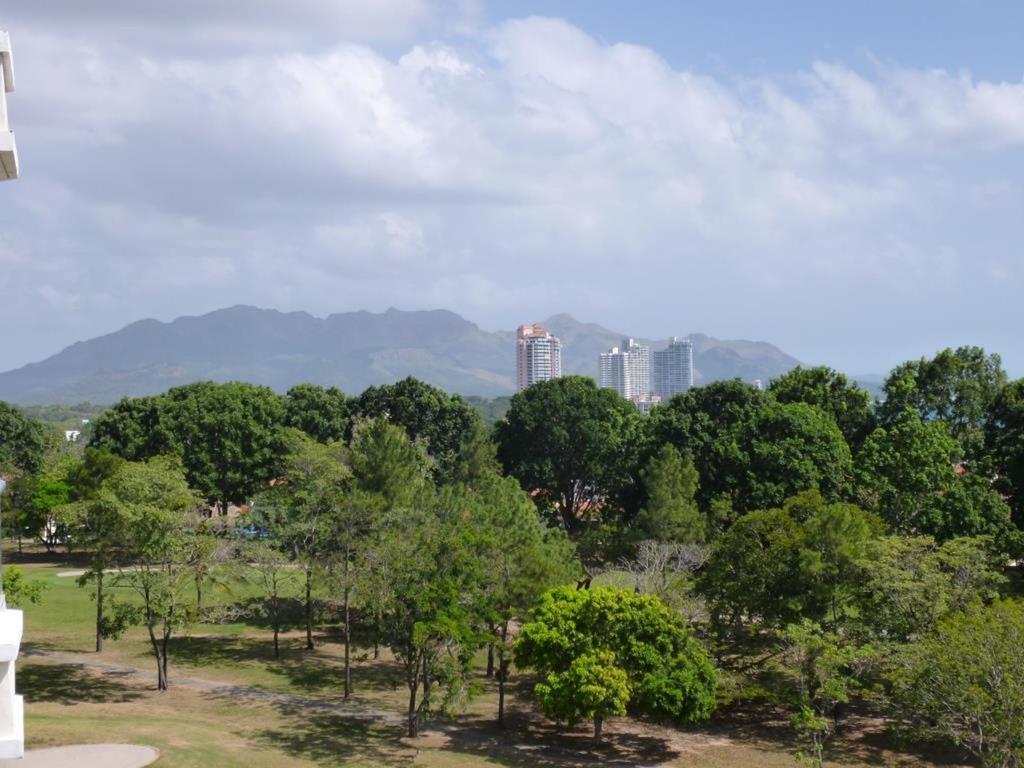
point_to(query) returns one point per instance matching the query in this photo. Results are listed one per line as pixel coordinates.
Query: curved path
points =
(87, 756)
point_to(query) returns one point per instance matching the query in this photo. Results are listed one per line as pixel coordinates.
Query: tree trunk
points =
(502, 674)
(598, 723)
(425, 702)
(277, 643)
(161, 668)
(199, 597)
(309, 608)
(348, 643)
(163, 661)
(414, 684)
(490, 658)
(99, 610)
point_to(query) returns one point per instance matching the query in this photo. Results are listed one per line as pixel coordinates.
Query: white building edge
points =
(12, 707)
(8, 150)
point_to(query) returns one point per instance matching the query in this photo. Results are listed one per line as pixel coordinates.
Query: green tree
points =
(520, 558)
(155, 501)
(833, 393)
(620, 636)
(323, 413)
(836, 539)
(432, 579)
(706, 423)
(1004, 443)
(387, 463)
(18, 590)
(671, 513)
(23, 441)
(46, 509)
(228, 436)
(571, 444)
(957, 387)
(133, 429)
(791, 448)
(755, 574)
(592, 688)
(907, 584)
(300, 511)
(271, 571)
(963, 684)
(826, 672)
(441, 421)
(903, 467)
(96, 521)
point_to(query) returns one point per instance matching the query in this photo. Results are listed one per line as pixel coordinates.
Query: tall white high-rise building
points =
(626, 370)
(538, 355)
(672, 368)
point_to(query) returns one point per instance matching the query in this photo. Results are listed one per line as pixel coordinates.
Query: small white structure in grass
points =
(8, 151)
(12, 708)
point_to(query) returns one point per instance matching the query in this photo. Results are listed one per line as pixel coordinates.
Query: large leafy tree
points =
(592, 648)
(387, 463)
(706, 422)
(963, 683)
(228, 436)
(907, 584)
(833, 393)
(957, 387)
(791, 448)
(23, 441)
(443, 422)
(571, 444)
(754, 574)
(133, 429)
(323, 413)
(903, 467)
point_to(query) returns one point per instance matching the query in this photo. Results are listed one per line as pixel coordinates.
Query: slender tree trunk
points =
(412, 679)
(19, 542)
(503, 666)
(161, 668)
(167, 637)
(598, 723)
(490, 658)
(425, 702)
(348, 644)
(199, 597)
(502, 671)
(99, 610)
(309, 608)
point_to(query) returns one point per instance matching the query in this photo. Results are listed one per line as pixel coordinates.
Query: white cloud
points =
(526, 169)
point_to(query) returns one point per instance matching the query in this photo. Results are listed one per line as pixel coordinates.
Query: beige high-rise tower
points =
(538, 355)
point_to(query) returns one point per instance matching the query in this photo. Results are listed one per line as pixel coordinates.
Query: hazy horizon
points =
(843, 183)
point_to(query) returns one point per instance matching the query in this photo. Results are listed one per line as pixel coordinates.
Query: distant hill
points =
(351, 350)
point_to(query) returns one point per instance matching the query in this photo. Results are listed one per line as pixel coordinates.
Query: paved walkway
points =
(86, 756)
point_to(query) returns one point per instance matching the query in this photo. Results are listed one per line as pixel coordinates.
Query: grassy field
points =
(232, 704)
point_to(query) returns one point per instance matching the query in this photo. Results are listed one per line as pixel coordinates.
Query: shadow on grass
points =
(70, 684)
(332, 739)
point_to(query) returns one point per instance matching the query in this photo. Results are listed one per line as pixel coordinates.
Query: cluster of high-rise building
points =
(633, 370)
(646, 377)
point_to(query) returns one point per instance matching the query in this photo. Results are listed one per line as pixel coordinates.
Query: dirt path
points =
(474, 735)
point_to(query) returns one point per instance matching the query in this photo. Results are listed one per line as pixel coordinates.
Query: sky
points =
(844, 180)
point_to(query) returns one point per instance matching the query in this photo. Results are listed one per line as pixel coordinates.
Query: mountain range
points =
(351, 350)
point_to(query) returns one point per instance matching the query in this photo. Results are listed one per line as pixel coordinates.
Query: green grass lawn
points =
(204, 726)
